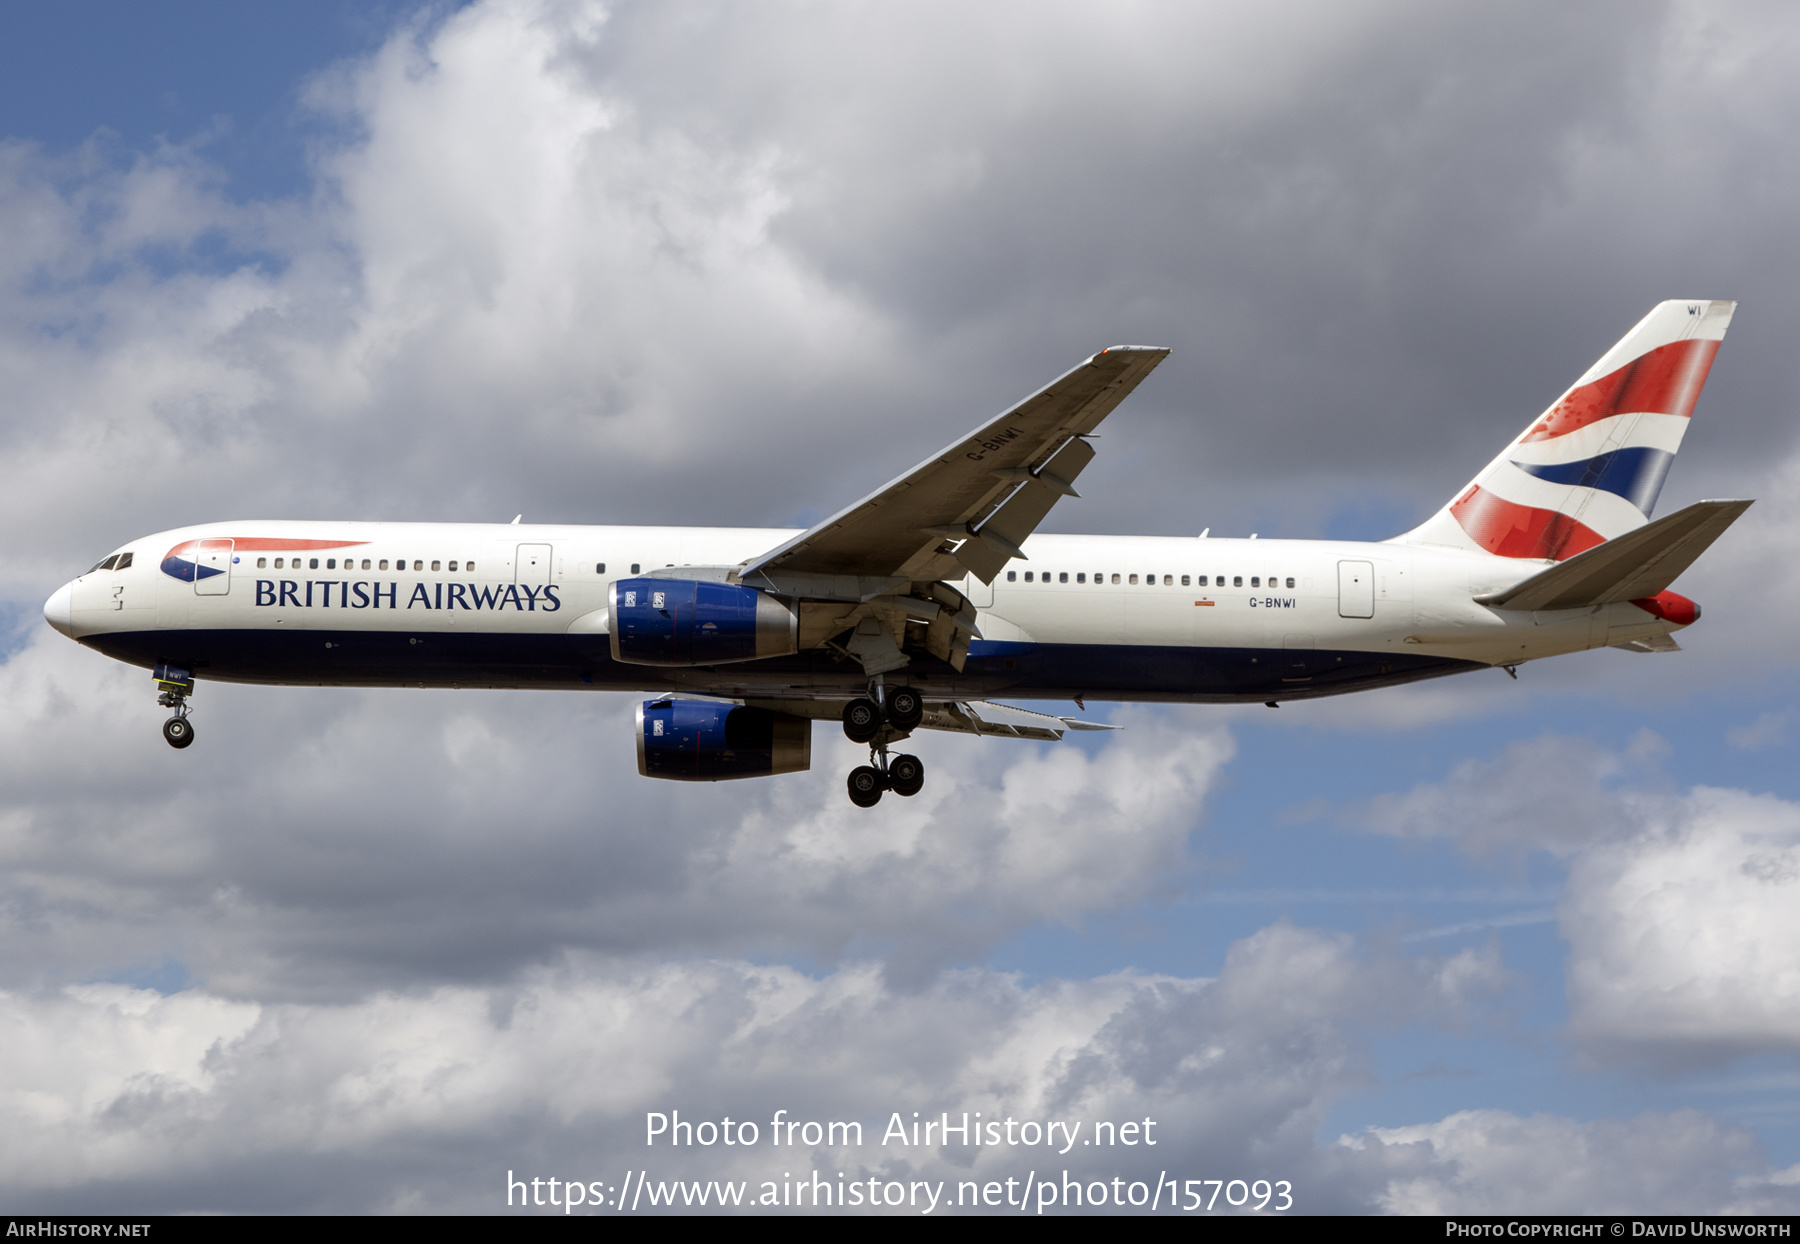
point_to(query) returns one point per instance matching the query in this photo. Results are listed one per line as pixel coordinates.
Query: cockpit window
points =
(105, 565)
(124, 562)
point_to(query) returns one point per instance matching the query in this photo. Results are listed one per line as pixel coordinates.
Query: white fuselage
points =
(379, 604)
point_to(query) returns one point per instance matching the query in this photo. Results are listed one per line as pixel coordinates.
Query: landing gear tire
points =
(862, 720)
(905, 709)
(865, 785)
(179, 731)
(906, 775)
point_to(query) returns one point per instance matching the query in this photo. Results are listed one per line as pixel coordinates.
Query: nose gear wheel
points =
(176, 685)
(179, 731)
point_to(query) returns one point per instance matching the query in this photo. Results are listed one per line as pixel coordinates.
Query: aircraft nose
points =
(58, 608)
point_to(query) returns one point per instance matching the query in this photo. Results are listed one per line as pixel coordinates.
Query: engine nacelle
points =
(701, 741)
(693, 622)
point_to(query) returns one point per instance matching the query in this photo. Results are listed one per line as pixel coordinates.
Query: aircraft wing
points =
(967, 508)
(1003, 721)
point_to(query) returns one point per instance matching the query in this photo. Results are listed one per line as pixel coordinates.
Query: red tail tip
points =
(1671, 607)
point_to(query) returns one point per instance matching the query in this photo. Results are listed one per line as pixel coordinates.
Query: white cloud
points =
(425, 1099)
(1681, 937)
(1493, 1162)
(1679, 907)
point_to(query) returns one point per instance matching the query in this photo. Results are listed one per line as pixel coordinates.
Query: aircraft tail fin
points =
(1590, 468)
(1638, 565)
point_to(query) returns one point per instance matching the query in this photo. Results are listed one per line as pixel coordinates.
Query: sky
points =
(1476, 945)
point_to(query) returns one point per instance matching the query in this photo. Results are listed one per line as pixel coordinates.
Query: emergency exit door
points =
(532, 565)
(212, 567)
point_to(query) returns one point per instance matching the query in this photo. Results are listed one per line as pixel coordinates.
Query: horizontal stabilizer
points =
(1002, 720)
(1634, 566)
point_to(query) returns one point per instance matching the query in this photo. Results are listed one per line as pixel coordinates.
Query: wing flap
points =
(1634, 566)
(998, 538)
(1002, 720)
(958, 717)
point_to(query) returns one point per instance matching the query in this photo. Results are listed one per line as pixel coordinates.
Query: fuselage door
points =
(212, 567)
(532, 564)
(1356, 589)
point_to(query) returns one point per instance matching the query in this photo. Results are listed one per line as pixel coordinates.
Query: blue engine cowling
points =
(693, 622)
(703, 741)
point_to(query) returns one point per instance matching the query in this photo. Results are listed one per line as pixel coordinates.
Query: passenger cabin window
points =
(365, 563)
(331, 563)
(1255, 581)
(1012, 576)
(1062, 576)
(1169, 580)
(1237, 580)
(634, 567)
(468, 567)
(1028, 576)
(383, 564)
(262, 563)
(599, 567)
(314, 564)
(1081, 577)
(1133, 578)
(1290, 582)
(418, 563)
(1116, 580)
(437, 565)
(1184, 581)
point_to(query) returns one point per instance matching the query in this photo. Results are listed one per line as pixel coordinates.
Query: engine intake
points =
(702, 741)
(693, 622)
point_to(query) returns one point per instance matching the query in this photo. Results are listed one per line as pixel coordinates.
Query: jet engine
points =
(693, 622)
(705, 741)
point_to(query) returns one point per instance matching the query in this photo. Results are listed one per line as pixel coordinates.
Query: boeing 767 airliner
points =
(915, 606)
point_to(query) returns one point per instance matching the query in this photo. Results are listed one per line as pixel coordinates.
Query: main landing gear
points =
(176, 686)
(878, 720)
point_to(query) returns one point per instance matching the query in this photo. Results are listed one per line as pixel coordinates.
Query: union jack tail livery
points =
(1589, 469)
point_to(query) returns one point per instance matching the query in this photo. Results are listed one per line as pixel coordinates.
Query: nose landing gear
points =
(878, 720)
(177, 685)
